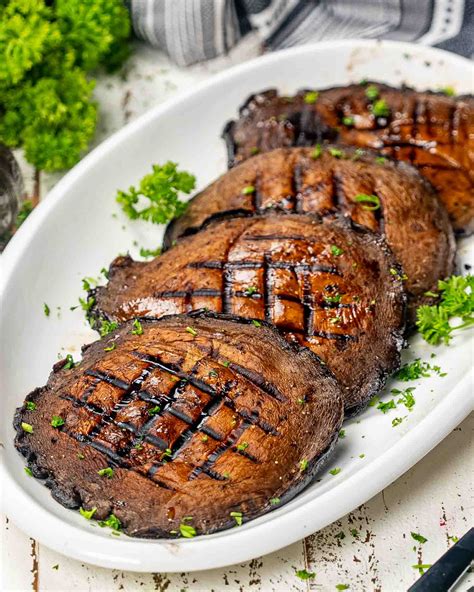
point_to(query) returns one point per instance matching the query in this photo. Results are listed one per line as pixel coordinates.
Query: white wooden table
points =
(370, 549)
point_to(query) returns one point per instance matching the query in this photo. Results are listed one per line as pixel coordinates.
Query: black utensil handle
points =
(444, 573)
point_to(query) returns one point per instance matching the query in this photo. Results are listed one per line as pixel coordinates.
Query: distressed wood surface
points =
(370, 549)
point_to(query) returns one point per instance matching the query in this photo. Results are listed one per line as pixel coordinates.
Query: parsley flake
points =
(316, 152)
(385, 407)
(380, 108)
(336, 251)
(348, 121)
(110, 347)
(187, 531)
(107, 327)
(418, 537)
(274, 501)
(28, 471)
(303, 465)
(242, 446)
(250, 290)
(303, 574)
(335, 471)
(311, 97)
(256, 323)
(146, 253)
(248, 190)
(372, 92)
(342, 586)
(107, 472)
(380, 160)
(112, 522)
(30, 405)
(191, 331)
(237, 516)
(137, 328)
(336, 152)
(70, 363)
(57, 421)
(372, 200)
(46, 310)
(342, 434)
(154, 410)
(87, 514)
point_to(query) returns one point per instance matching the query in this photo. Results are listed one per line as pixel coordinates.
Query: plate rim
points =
(206, 552)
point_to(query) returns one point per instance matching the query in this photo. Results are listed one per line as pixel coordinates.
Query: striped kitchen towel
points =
(191, 31)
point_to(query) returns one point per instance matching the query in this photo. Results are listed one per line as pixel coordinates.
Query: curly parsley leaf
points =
(156, 199)
(456, 300)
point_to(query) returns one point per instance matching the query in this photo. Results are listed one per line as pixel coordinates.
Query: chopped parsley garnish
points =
(254, 150)
(160, 188)
(336, 152)
(303, 464)
(46, 310)
(348, 121)
(406, 397)
(107, 472)
(213, 374)
(154, 410)
(112, 522)
(110, 347)
(311, 97)
(256, 323)
(354, 532)
(303, 574)
(316, 152)
(414, 370)
(456, 300)
(274, 501)
(334, 299)
(358, 152)
(242, 446)
(380, 160)
(88, 283)
(57, 421)
(191, 331)
(237, 516)
(28, 471)
(380, 108)
(385, 407)
(336, 251)
(362, 455)
(56, 567)
(187, 531)
(335, 471)
(70, 363)
(342, 434)
(225, 363)
(418, 537)
(448, 91)
(453, 538)
(80, 456)
(372, 200)
(107, 327)
(87, 304)
(87, 514)
(204, 438)
(342, 586)
(397, 421)
(248, 190)
(30, 405)
(25, 210)
(137, 328)
(421, 567)
(372, 92)
(250, 290)
(150, 252)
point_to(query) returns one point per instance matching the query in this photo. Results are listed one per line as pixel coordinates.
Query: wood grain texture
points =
(434, 498)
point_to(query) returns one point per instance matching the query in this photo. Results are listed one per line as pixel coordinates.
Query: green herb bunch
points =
(47, 50)
(456, 300)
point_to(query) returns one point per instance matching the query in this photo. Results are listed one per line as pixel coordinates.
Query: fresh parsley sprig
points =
(456, 300)
(156, 199)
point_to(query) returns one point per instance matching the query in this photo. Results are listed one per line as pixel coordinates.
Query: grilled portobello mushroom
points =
(430, 130)
(326, 284)
(200, 423)
(386, 196)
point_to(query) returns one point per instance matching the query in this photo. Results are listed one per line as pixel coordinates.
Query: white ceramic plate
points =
(73, 234)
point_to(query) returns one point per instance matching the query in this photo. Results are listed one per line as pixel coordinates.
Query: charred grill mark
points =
(267, 290)
(226, 294)
(186, 294)
(414, 131)
(296, 187)
(206, 265)
(227, 444)
(308, 305)
(108, 379)
(258, 381)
